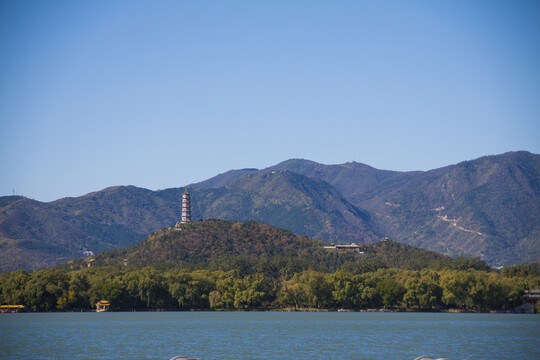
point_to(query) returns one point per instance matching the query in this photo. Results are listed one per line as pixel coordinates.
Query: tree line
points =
(151, 288)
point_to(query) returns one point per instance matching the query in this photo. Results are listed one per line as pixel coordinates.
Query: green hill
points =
(207, 241)
(232, 245)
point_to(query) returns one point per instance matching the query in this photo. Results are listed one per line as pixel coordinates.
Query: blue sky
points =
(161, 94)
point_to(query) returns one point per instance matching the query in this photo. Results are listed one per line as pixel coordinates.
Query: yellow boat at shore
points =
(11, 308)
(102, 306)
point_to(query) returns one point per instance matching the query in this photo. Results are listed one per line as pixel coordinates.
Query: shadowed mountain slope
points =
(303, 205)
(488, 207)
(35, 234)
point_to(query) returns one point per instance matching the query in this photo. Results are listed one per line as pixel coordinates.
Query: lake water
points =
(268, 335)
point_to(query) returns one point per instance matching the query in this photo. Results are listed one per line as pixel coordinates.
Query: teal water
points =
(270, 335)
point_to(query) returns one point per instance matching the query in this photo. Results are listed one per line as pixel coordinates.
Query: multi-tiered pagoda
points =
(186, 207)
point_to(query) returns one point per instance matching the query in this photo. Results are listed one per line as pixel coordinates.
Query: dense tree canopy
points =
(183, 289)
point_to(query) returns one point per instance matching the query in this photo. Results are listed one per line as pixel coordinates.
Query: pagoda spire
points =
(186, 207)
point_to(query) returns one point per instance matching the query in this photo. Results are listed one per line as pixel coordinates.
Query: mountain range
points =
(488, 207)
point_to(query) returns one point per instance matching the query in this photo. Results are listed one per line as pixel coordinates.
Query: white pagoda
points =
(186, 207)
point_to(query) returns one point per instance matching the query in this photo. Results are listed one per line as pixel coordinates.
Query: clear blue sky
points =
(161, 94)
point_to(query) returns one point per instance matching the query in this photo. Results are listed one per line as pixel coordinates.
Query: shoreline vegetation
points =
(180, 289)
(283, 310)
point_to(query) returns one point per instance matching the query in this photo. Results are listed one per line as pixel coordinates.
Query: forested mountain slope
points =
(303, 205)
(488, 207)
(35, 234)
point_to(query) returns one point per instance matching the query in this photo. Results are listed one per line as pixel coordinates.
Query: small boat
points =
(11, 308)
(102, 306)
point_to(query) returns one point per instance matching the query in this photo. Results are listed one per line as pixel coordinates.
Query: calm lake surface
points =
(268, 335)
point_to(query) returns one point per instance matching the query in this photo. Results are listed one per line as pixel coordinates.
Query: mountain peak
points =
(223, 179)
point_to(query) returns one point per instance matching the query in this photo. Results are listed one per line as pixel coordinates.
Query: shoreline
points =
(285, 310)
